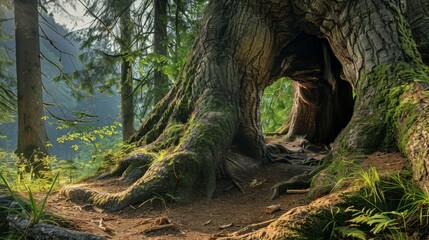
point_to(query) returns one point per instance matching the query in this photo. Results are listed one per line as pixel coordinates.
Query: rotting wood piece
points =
(5, 201)
(272, 208)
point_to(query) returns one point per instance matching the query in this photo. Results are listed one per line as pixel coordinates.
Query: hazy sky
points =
(74, 20)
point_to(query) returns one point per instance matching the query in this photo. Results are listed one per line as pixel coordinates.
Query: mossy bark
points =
(385, 114)
(412, 123)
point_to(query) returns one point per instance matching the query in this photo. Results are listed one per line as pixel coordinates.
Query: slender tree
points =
(31, 127)
(160, 48)
(7, 83)
(119, 28)
(127, 99)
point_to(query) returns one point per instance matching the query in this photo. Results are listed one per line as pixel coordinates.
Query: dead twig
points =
(158, 227)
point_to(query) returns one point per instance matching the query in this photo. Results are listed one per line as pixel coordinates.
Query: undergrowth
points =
(386, 207)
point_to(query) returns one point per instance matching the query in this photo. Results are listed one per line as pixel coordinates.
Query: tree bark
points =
(209, 121)
(417, 14)
(31, 127)
(160, 49)
(127, 99)
(374, 44)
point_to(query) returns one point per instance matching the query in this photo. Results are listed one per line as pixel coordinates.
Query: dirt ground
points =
(229, 210)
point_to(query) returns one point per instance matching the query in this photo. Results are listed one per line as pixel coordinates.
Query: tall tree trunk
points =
(177, 30)
(160, 49)
(127, 99)
(31, 127)
(208, 125)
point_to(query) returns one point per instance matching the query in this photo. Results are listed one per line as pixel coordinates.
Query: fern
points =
(351, 232)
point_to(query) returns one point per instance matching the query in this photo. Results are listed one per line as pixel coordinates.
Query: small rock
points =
(226, 226)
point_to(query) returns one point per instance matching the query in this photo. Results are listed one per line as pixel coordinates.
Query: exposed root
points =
(252, 227)
(172, 175)
(131, 168)
(278, 153)
(239, 168)
(297, 182)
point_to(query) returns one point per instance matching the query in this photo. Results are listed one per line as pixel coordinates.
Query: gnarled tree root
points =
(41, 231)
(279, 153)
(173, 175)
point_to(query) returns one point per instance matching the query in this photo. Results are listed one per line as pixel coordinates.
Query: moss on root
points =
(413, 134)
(335, 175)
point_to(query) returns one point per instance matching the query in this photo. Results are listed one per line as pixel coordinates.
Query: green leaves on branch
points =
(276, 105)
(89, 134)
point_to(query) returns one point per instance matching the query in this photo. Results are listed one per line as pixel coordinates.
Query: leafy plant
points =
(332, 225)
(388, 207)
(351, 232)
(92, 146)
(31, 208)
(372, 189)
(378, 221)
(415, 201)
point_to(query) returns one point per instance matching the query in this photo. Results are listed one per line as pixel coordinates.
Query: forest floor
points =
(228, 211)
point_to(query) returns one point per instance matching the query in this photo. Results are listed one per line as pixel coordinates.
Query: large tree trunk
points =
(208, 125)
(31, 126)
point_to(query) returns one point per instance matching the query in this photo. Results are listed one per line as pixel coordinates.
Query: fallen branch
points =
(298, 191)
(158, 227)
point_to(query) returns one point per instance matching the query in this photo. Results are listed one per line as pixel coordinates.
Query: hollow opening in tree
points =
(323, 99)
